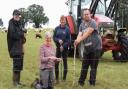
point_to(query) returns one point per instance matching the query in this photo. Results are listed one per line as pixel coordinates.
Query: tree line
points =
(32, 14)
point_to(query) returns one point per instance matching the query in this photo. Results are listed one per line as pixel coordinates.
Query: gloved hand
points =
(61, 42)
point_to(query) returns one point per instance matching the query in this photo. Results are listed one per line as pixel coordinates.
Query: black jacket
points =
(15, 38)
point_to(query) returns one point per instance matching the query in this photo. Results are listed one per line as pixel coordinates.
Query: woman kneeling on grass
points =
(47, 61)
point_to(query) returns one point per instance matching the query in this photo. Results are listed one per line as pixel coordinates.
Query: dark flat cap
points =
(16, 12)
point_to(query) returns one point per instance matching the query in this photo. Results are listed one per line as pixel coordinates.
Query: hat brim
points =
(17, 15)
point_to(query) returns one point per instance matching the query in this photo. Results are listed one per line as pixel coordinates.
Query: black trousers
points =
(18, 63)
(91, 59)
(64, 56)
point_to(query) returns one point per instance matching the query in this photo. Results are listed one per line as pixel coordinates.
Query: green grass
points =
(111, 75)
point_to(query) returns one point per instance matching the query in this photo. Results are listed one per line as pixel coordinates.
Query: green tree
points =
(24, 14)
(37, 15)
(123, 13)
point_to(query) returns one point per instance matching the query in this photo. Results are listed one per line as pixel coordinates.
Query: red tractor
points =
(113, 38)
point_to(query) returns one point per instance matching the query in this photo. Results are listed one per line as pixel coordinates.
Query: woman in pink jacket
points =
(47, 62)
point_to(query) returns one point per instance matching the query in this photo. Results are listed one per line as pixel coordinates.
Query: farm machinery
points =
(110, 24)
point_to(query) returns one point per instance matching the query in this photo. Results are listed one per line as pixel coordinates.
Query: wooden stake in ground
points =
(61, 68)
(74, 67)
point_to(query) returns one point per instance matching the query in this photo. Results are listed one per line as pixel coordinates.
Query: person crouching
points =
(47, 61)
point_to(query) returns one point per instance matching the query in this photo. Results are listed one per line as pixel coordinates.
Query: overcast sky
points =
(53, 9)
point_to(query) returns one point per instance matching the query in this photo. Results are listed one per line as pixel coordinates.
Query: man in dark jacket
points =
(61, 38)
(16, 40)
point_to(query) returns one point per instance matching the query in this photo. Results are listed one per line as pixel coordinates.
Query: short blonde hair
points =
(48, 34)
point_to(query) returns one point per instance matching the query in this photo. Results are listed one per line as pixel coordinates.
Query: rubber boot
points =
(18, 79)
(92, 83)
(18, 76)
(14, 78)
(49, 87)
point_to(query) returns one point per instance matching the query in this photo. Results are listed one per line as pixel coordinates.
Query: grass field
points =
(111, 75)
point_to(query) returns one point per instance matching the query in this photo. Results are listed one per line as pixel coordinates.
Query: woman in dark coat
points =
(62, 39)
(16, 40)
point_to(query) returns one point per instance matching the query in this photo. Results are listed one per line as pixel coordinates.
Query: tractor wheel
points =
(121, 55)
(116, 55)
